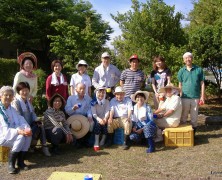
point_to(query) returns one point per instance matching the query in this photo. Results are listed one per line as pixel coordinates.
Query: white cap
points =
(119, 89)
(82, 62)
(105, 54)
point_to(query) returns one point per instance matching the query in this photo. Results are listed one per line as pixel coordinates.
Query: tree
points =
(149, 29)
(29, 23)
(205, 35)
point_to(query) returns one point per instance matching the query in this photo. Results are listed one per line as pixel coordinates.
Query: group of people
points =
(97, 113)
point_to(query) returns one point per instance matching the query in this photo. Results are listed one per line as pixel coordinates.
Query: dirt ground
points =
(202, 161)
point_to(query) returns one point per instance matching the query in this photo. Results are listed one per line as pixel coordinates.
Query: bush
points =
(211, 90)
(40, 102)
(9, 67)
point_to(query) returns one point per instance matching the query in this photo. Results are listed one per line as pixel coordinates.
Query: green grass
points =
(203, 161)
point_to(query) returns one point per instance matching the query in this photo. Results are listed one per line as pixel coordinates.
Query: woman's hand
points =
(69, 138)
(25, 132)
(139, 131)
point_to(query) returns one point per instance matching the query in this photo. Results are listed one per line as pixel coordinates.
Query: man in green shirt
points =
(191, 83)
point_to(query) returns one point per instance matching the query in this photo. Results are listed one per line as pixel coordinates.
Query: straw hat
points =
(119, 89)
(133, 96)
(28, 55)
(79, 125)
(169, 86)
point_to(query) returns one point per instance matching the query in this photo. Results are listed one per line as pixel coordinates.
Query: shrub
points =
(40, 102)
(9, 67)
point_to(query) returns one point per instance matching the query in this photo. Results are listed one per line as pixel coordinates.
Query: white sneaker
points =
(45, 151)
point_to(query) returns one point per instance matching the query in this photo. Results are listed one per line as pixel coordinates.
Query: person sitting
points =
(15, 132)
(56, 127)
(100, 111)
(143, 125)
(169, 111)
(120, 116)
(24, 108)
(80, 104)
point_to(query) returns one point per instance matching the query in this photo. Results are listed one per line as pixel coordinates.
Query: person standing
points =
(161, 76)
(106, 75)
(28, 63)
(56, 82)
(81, 77)
(132, 79)
(191, 82)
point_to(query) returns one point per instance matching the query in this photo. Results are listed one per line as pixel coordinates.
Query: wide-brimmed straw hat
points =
(81, 62)
(79, 125)
(133, 96)
(169, 86)
(27, 55)
(119, 89)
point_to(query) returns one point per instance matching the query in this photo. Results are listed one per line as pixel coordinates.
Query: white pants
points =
(18, 143)
(190, 106)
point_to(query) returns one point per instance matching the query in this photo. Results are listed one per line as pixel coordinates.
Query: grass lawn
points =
(203, 161)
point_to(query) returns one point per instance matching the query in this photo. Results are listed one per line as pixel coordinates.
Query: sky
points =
(107, 7)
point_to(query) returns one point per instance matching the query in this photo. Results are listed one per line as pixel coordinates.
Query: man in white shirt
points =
(106, 75)
(120, 116)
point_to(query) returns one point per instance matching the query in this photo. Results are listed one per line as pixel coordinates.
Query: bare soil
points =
(203, 161)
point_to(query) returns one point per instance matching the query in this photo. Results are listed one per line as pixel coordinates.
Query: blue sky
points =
(107, 7)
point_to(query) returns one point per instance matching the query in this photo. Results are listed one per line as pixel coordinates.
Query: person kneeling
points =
(56, 127)
(143, 124)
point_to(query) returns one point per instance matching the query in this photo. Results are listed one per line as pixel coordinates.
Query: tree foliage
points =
(69, 25)
(205, 35)
(149, 29)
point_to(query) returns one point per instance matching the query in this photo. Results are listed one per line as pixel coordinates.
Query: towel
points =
(55, 81)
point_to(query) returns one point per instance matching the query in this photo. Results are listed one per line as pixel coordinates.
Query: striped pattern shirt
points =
(59, 117)
(132, 81)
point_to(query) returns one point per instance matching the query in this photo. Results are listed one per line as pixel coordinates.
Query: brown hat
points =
(79, 125)
(27, 55)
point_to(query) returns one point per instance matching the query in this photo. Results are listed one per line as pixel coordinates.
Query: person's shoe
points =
(158, 139)
(45, 151)
(11, 163)
(151, 145)
(21, 158)
(31, 149)
(126, 142)
(96, 148)
(109, 140)
(150, 150)
(55, 150)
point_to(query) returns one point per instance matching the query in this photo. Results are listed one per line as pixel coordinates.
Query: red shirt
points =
(61, 89)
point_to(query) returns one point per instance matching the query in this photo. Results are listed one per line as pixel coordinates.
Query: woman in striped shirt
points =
(56, 127)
